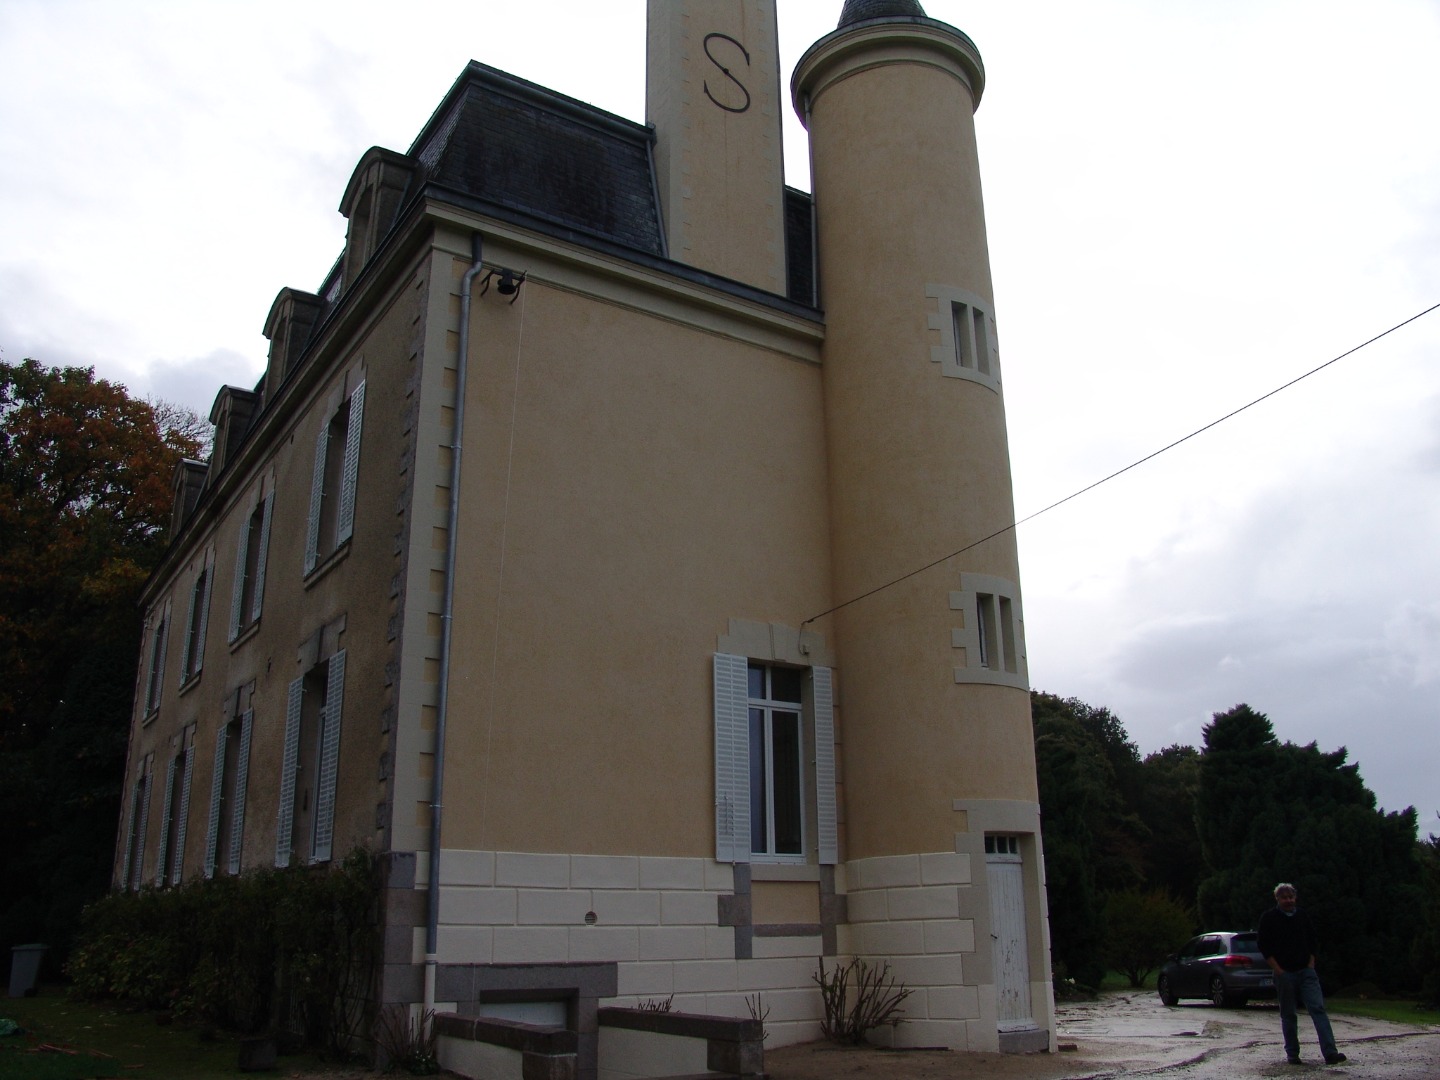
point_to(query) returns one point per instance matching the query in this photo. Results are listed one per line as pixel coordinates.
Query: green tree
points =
(1425, 952)
(85, 498)
(1092, 839)
(1169, 782)
(1271, 811)
(1141, 928)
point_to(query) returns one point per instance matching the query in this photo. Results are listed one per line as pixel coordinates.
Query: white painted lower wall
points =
(656, 919)
(478, 1059)
(625, 1055)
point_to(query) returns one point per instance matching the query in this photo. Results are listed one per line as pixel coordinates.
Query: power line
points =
(1120, 472)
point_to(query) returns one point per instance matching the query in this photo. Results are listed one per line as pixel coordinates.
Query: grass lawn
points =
(1397, 1011)
(91, 1040)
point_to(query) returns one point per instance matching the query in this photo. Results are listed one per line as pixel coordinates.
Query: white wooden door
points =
(1004, 871)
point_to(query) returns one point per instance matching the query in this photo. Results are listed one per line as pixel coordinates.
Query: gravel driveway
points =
(1131, 1034)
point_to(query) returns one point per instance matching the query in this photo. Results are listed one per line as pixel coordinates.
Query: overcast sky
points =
(1189, 204)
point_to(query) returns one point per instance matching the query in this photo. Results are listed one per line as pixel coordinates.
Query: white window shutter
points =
(201, 630)
(125, 869)
(148, 694)
(345, 520)
(160, 660)
(317, 496)
(188, 652)
(242, 775)
(258, 585)
(329, 760)
(217, 788)
(177, 860)
(147, 782)
(237, 593)
(163, 856)
(822, 692)
(286, 822)
(732, 758)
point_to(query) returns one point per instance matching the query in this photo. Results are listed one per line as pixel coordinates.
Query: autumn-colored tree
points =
(85, 497)
(85, 475)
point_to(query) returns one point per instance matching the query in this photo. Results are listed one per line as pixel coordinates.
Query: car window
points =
(1245, 943)
(1192, 948)
(1210, 946)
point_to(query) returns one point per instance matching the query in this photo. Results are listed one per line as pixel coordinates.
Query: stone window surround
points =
(950, 354)
(964, 639)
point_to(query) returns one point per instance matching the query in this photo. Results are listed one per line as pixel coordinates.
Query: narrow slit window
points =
(1007, 635)
(964, 336)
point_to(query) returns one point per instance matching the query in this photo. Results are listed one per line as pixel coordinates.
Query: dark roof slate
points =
(856, 11)
(517, 145)
(799, 246)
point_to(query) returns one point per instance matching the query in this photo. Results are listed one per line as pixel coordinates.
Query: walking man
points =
(1288, 942)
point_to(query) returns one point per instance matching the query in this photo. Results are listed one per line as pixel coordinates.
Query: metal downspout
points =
(452, 522)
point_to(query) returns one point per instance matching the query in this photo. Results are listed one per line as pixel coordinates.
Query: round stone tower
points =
(937, 758)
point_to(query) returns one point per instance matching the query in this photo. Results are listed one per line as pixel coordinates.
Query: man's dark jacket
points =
(1290, 939)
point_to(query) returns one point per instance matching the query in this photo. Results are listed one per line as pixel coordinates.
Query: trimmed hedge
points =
(288, 950)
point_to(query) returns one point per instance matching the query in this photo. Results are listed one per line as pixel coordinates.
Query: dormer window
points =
(289, 325)
(372, 200)
(231, 414)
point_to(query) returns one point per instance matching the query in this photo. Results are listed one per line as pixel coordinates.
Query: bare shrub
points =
(858, 998)
(406, 1044)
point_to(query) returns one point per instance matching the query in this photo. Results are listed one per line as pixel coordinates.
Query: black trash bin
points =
(25, 969)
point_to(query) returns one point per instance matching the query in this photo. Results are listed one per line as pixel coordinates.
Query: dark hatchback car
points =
(1226, 968)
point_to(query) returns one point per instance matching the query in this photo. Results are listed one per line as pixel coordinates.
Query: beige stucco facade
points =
(681, 466)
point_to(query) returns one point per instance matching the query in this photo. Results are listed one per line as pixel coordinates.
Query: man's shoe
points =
(1293, 1061)
(1335, 1058)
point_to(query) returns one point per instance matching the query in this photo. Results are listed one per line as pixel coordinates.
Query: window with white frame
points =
(332, 489)
(197, 621)
(777, 778)
(224, 841)
(155, 664)
(310, 766)
(1002, 844)
(176, 806)
(990, 638)
(251, 556)
(775, 762)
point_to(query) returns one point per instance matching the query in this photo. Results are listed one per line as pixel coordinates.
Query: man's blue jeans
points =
(1303, 986)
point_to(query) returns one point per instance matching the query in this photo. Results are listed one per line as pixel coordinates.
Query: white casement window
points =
(967, 348)
(225, 839)
(310, 766)
(774, 762)
(332, 486)
(197, 620)
(155, 662)
(990, 640)
(132, 870)
(176, 806)
(250, 558)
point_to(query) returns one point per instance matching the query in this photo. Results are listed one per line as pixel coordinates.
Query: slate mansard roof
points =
(541, 155)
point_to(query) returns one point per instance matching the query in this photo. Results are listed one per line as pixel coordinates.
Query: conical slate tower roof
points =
(860, 10)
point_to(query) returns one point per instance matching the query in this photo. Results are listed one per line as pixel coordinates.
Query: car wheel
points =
(1218, 995)
(1167, 994)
